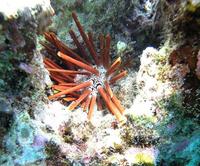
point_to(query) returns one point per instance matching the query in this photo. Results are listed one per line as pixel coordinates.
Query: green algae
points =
(52, 149)
(9, 72)
(140, 132)
(180, 134)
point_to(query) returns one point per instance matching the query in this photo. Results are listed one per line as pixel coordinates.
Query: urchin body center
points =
(96, 80)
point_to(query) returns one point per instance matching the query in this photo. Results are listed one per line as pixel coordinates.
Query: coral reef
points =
(158, 44)
(180, 125)
(20, 70)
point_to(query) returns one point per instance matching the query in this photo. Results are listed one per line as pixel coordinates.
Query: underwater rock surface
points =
(160, 45)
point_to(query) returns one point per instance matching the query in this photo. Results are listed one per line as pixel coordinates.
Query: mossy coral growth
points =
(180, 134)
(9, 71)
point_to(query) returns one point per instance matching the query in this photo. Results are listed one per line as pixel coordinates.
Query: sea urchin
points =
(83, 80)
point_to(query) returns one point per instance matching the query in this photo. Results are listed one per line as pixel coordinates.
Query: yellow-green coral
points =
(145, 159)
(192, 6)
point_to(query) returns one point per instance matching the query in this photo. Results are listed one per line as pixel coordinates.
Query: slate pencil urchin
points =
(83, 80)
